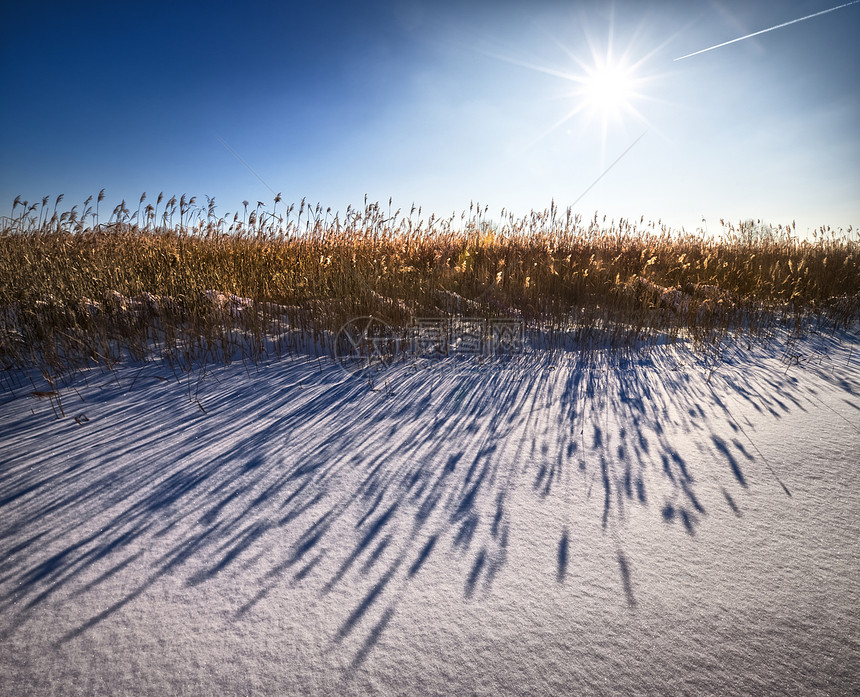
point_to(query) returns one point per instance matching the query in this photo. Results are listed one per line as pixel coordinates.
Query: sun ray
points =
(607, 80)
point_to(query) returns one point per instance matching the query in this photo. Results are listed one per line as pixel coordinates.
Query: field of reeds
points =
(174, 278)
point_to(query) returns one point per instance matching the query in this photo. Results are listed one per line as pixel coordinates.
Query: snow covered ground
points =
(546, 525)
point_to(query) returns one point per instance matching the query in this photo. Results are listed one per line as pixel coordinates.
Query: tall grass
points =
(176, 276)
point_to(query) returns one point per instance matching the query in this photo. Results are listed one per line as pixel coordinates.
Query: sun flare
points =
(609, 89)
(607, 93)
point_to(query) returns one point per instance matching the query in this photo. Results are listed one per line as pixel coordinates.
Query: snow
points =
(551, 524)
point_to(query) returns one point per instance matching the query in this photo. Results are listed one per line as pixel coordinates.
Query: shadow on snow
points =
(296, 475)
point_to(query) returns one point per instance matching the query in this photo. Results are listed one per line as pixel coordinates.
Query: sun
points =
(605, 88)
(609, 89)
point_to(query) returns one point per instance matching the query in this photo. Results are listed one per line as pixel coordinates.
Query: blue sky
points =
(440, 103)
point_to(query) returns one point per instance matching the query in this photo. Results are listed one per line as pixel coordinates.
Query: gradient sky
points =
(438, 103)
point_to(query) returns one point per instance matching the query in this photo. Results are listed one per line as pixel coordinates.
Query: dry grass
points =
(175, 276)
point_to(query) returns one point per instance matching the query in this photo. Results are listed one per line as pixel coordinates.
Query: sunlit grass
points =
(173, 275)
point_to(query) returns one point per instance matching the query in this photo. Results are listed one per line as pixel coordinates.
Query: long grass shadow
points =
(294, 474)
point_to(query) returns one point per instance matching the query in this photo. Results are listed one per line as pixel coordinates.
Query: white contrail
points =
(606, 171)
(239, 157)
(778, 26)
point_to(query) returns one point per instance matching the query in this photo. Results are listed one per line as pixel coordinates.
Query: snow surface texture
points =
(542, 526)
